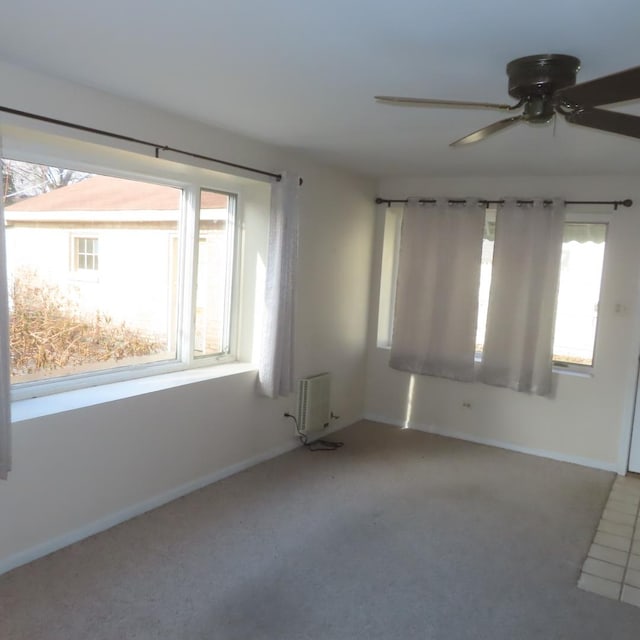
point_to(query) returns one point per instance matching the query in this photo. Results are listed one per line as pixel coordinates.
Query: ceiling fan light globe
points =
(538, 109)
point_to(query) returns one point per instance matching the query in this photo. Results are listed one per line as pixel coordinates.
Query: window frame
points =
(245, 194)
(588, 217)
(77, 239)
(386, 292)
(232, 280)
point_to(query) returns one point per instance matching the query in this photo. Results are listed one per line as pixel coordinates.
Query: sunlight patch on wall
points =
(410, 392)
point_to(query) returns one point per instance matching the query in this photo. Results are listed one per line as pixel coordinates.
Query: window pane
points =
(579, 293)
(66, 317)
(486, 267)
(86, 250)
(213, 274)
(388, 274)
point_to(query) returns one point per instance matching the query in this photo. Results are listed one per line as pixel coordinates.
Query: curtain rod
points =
(612, 203)
(156, 146)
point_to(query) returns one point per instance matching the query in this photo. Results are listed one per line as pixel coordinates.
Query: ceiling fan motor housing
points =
(534, 80)
(545, 84)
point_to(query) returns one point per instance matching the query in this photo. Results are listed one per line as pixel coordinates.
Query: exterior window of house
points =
(165, 297)
(85, 253)
(578, 295)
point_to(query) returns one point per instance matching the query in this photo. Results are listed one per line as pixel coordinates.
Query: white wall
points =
(127, 288)
(589, 418)
(73, 469)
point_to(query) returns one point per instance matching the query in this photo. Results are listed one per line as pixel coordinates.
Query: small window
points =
(85, 254)
(578, 293)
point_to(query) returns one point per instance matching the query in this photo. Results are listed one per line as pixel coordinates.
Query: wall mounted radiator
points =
(314, 405)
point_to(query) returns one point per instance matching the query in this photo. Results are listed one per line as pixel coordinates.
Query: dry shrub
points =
(47, 331)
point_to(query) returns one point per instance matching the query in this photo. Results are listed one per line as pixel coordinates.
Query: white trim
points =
(629, 409)
(41, 406)
(113, 519)
(629, 403)
(458, 435)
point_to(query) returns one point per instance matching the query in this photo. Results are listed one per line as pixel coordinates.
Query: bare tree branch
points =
(22, 180)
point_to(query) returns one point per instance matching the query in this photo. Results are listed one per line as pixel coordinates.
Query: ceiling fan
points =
(545, 84)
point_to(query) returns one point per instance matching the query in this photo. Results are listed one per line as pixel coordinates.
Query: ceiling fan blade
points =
(428, 102)
(614, 121)
(618, 87)
(485, 132)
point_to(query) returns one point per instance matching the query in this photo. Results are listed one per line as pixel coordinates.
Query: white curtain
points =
(5, 356)
(518, 348)
(436, 307)
(275, 372)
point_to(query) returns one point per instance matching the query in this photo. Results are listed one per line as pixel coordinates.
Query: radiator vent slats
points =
(314, 404)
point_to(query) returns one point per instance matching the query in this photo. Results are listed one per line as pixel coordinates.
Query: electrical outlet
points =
(466, 405)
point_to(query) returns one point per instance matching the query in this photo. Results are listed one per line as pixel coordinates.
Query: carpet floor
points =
(398, 534)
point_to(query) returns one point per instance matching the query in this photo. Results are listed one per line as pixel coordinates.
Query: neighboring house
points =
(111, 246)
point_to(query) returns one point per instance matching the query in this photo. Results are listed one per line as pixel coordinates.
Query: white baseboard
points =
(113, 519)
(45, 548)
(458, 435)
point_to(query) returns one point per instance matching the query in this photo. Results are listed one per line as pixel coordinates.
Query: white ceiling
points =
(303, 74)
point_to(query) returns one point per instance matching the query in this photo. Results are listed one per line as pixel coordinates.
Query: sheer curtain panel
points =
(518, 348)
(5, 355)
(436, 306)
(275, 372)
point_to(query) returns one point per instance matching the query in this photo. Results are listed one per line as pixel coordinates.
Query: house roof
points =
(104, 193)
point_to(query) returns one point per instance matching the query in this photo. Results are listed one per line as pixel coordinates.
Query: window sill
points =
(564, 371)
(88, 397)
(576, 373)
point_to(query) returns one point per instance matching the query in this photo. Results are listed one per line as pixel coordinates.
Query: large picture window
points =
(578, 296)
(166, 255)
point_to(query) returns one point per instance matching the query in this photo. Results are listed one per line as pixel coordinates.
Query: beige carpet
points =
(398, 534)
